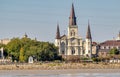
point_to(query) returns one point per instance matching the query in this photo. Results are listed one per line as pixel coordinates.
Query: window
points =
(74, 33)
(71, 33)
(83, 52)
(79, 43)
(73, 51)
(89, 51)
(104, 47)
(63, 52)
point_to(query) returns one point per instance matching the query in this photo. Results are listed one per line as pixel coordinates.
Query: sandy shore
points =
(59, 66)
(53, 72)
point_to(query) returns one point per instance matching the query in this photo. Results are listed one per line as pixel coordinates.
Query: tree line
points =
(21, 49)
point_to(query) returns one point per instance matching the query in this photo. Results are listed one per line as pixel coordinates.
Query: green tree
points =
(21, 49)
(50, 52)
(13, 48)
(2, 45)
(21, 57)
(114, 51)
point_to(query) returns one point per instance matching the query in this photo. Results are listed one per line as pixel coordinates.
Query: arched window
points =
(71, 33)
(89, 51)
(83, 52)
(78, 42)
(74, 33)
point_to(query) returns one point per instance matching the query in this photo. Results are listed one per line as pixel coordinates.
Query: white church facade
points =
(72, 43)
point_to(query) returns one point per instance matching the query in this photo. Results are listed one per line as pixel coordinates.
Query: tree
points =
(21, 49)
(21, 57)
(2, 45)
(13, 48)
(114, 51)
(48, 52)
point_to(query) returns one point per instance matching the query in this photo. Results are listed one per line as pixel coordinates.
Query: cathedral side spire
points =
(58, 32)
(88, 51)
(88, 35)
(72, 18)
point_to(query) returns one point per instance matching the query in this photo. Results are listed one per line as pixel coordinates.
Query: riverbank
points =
(59, 66)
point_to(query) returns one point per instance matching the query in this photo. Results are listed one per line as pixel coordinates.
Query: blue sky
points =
(38, 18)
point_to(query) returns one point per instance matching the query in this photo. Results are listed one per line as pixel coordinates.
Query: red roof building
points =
(106, 46)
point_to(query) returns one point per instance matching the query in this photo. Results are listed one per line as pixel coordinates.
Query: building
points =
(4, 41)
(72, 44)
(106, 46)
(118, 38)
(95, 48)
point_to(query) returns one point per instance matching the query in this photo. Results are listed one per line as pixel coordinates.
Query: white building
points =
(118, 38)
(72, 44)
(4, 41)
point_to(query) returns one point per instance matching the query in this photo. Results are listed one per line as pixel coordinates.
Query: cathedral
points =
(72, 44)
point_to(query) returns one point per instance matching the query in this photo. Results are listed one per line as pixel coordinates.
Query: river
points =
(60, 73)
(65, 75)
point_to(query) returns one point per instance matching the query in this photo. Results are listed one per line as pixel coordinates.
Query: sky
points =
(39, 18)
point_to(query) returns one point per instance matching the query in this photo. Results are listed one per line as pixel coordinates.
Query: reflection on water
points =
(68, 75)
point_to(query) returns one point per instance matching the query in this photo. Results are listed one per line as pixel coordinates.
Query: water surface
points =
(65, 75)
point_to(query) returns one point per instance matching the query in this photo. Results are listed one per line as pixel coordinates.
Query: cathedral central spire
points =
(72, 18)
